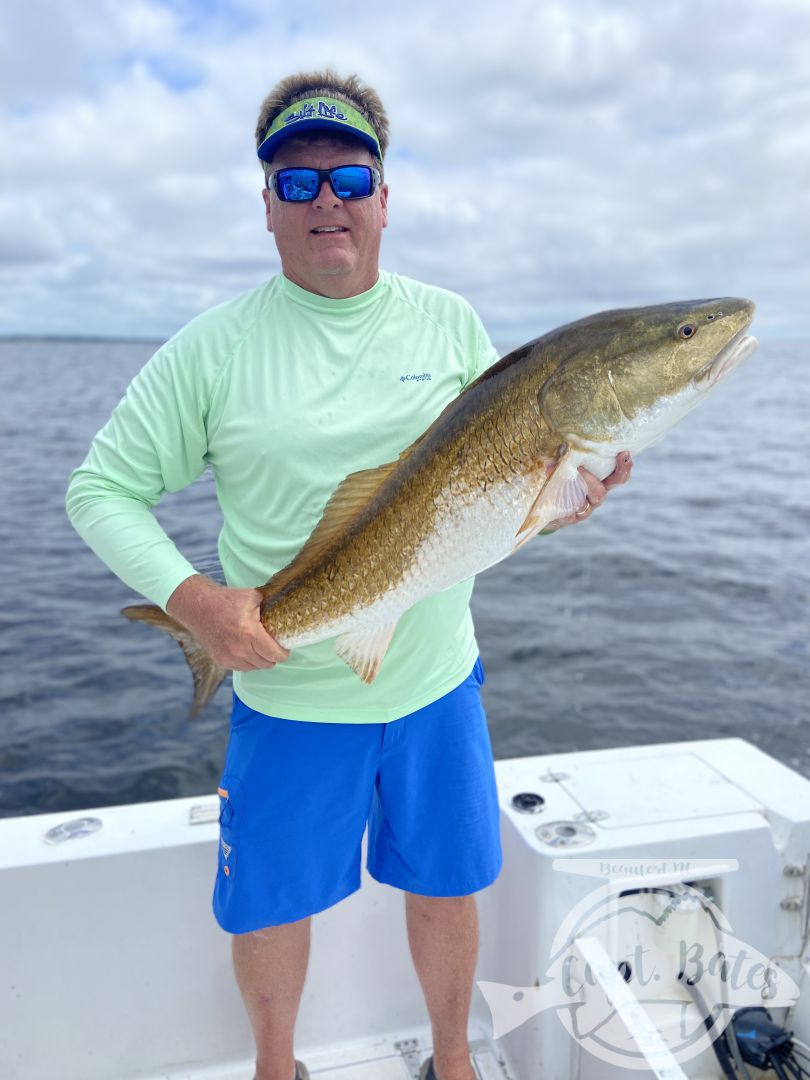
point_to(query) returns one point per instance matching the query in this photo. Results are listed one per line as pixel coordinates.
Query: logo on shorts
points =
(226, 848)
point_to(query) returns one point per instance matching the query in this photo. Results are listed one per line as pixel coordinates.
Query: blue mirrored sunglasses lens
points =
(297, 185)
(352, 181)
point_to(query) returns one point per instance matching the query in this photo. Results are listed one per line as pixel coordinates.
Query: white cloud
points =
(547, 160)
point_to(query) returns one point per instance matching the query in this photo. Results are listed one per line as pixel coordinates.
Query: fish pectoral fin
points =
(562, 494)
(364, 650)
(207, 674)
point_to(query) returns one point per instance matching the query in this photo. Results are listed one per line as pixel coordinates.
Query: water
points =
(678, 612)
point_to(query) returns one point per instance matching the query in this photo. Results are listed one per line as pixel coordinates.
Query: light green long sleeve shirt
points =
(284, 393)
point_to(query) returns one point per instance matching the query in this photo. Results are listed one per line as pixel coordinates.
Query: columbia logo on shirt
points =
(416, 378)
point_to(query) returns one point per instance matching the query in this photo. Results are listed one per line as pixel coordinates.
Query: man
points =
(284, 391)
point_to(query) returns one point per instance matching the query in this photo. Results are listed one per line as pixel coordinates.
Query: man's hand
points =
(597, 489)
(226, 623)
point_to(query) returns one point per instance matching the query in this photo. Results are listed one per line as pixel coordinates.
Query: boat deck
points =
(716, 817)
(394, 1058)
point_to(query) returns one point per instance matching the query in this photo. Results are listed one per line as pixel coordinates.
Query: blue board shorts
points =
(295, 797)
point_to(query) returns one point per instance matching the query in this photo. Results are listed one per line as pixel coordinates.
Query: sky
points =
(547, 160)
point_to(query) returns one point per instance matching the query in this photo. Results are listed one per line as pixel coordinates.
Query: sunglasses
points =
(346, 181)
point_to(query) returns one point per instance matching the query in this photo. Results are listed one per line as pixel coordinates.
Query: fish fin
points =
(563, 493)
(364, 650)
(207, 674)
(351, 497)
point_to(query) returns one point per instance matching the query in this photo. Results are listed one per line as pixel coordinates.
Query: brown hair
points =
(313, 83)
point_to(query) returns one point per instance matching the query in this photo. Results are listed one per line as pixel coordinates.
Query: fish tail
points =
(207, 674)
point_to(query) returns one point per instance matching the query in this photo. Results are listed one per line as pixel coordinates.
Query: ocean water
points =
(679, 611)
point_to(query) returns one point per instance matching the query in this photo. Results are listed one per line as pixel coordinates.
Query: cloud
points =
(547, 160)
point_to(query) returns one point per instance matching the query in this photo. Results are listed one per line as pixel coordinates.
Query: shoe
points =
(301, 1071)
(427, 1072)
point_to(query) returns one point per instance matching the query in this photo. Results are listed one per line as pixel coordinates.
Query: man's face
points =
(335, 264)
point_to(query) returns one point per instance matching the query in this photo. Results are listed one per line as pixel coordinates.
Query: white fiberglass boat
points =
(623, 869)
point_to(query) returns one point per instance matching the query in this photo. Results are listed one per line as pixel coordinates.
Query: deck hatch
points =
(649, 790)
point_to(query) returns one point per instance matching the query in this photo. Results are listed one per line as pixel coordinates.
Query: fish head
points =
(628, 376)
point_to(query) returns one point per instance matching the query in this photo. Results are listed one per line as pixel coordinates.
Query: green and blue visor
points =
(318, 114)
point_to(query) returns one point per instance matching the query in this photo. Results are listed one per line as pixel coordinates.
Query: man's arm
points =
(156, 441)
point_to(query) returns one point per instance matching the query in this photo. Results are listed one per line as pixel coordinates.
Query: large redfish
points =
(496, 466)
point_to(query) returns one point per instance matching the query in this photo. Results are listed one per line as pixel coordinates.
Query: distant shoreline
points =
(118, 339)
(126, 339)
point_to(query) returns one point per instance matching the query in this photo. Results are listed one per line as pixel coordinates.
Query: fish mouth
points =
(730, 356)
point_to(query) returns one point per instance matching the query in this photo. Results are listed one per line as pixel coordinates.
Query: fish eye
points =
(687, 330)
(710, 317)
